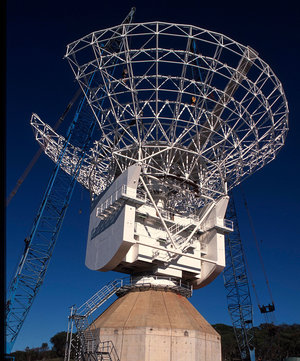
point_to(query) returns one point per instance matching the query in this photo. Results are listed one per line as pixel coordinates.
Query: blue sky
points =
(39, 80)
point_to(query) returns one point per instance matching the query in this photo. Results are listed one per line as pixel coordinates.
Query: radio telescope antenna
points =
(186, 115)
(181, 129)
(195, 110)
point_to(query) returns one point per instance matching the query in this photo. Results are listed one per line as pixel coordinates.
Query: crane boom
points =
(40, 243)
(237, 287)
(40, 150)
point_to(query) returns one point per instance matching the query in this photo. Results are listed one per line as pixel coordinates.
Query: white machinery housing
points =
(130, 234)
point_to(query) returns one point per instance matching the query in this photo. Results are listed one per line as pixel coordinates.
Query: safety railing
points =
(99, 298)
(108, 348)
(228, 224)
(123, 192)
(224, 223)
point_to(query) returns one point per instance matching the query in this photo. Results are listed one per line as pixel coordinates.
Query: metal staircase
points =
(177, 229)
(100, 297)
(107, 352)
(90, 346)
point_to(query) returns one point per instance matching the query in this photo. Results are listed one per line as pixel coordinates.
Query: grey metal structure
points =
(237, 287)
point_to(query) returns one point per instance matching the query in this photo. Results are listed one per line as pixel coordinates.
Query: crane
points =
(39, 244)
(237, 287)
(40, 150)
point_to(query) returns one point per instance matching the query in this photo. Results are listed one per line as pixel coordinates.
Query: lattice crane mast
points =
(40, 243)
(237, 287)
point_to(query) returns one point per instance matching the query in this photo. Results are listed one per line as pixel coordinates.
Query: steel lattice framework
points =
(237, 286)
(40, 243)
(193, 106)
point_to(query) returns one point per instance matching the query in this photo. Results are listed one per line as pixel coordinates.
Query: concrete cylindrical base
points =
(158, 326)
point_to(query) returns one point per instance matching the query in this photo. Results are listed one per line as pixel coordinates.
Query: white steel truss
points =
(197, 109)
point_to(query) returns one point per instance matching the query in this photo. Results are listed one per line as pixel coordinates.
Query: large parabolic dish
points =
(184, 115)
(194, 107)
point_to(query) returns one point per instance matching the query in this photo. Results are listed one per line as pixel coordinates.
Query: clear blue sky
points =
(39, 80)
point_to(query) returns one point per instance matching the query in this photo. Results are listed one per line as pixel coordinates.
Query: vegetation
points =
(59, 343)
(271, 343)
(43, 353)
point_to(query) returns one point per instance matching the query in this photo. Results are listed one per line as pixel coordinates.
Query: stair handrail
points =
(81, 315)
(88, 307)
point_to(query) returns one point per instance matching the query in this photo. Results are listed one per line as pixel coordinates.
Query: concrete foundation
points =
(158, 326)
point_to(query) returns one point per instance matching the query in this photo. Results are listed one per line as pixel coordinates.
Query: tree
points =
(30, 354)
(19, 355)
(59, 343)
(44, 347)
(271, 342)
(230, 349)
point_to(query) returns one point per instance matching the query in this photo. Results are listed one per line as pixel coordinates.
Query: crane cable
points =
(251, 279)
(40, 150)
(258, 251)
